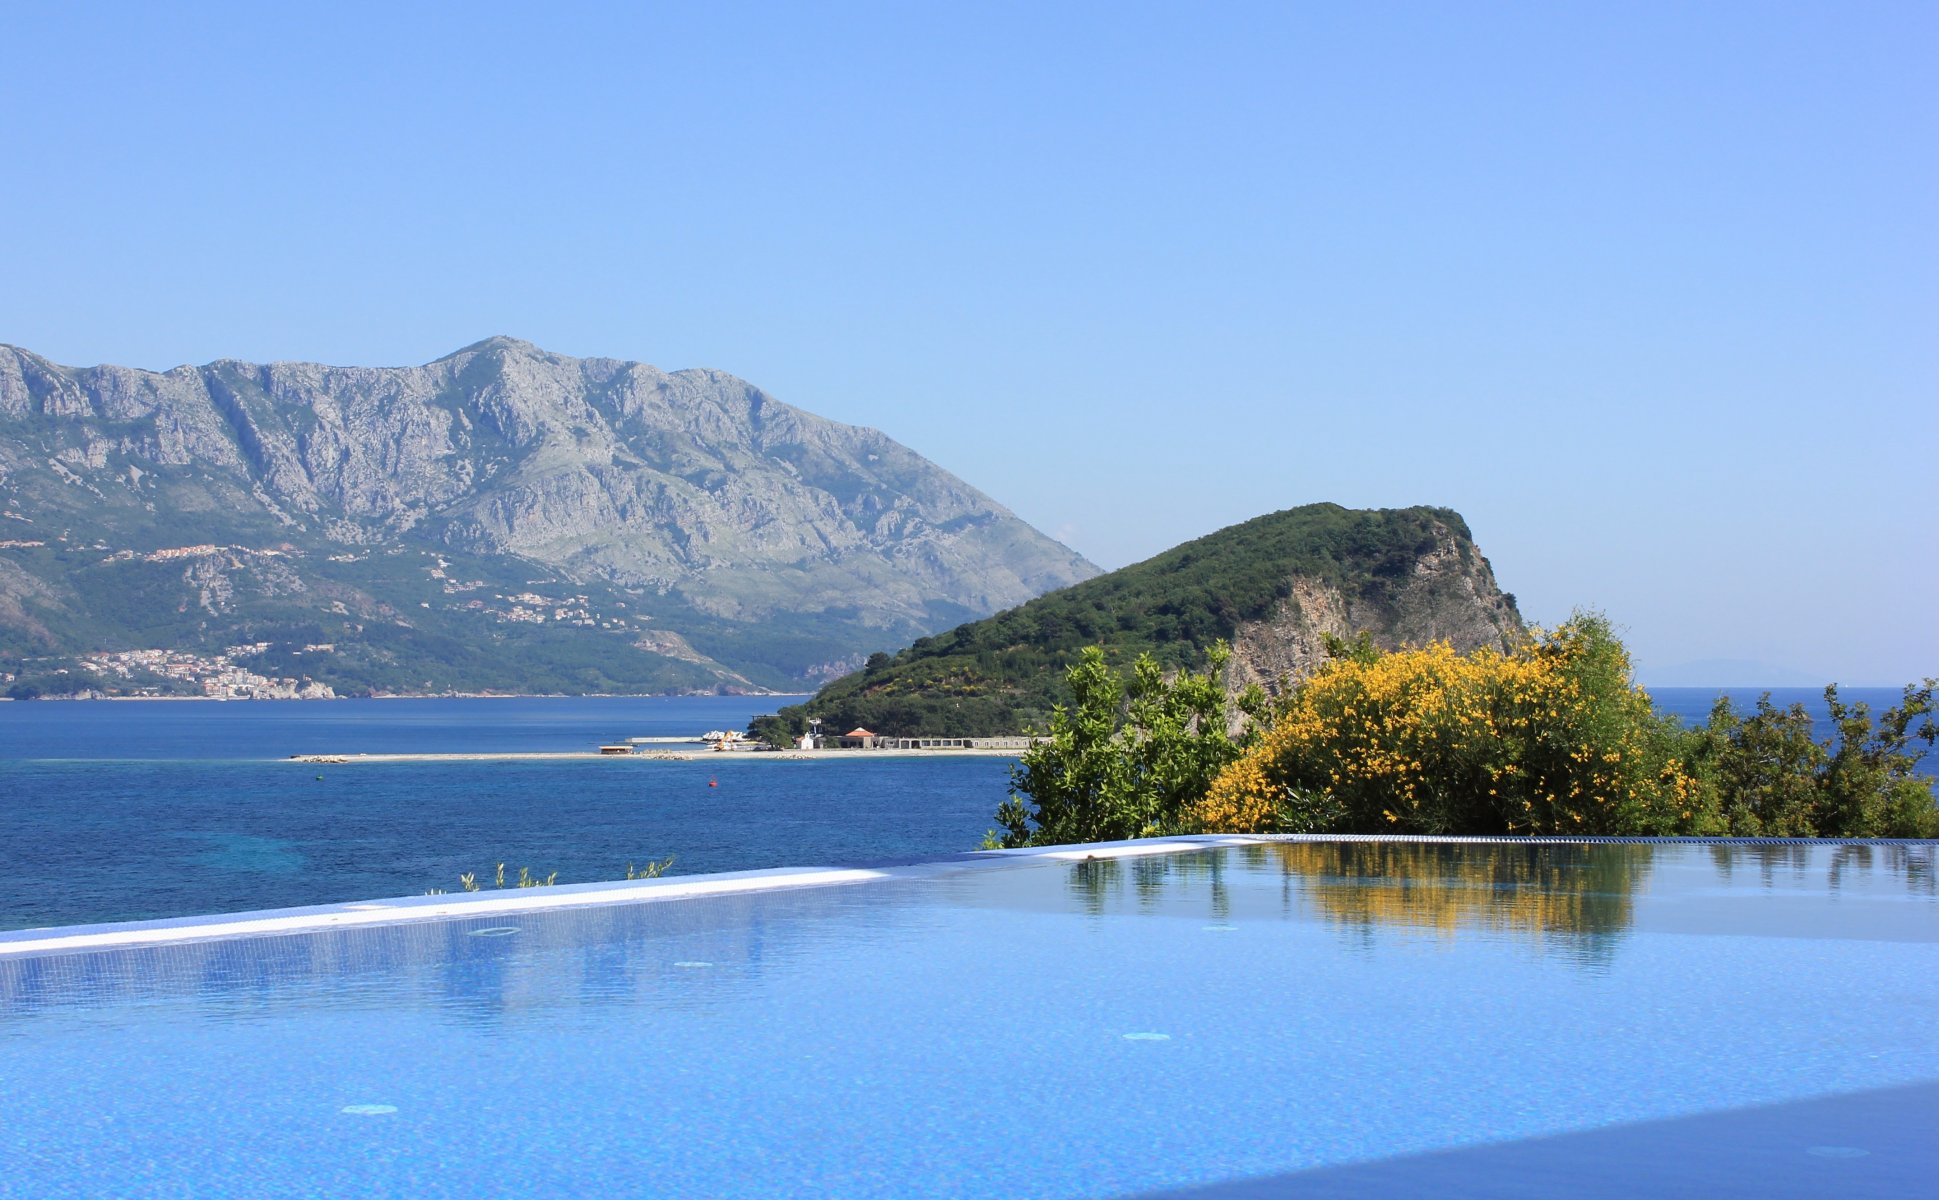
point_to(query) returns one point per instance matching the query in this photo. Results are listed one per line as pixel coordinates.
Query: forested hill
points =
(1273, 587)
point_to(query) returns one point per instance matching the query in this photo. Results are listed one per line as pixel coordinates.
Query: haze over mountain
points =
(712, 535)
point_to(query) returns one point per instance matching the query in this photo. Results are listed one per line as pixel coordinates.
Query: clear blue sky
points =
(1650, 292)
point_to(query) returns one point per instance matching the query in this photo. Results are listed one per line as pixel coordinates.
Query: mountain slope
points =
(1273, 587)
(740, 535)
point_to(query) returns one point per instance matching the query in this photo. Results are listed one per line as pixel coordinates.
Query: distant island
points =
(503, 519)
(1274, 588)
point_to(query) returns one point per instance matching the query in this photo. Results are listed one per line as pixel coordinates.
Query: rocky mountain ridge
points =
(695, 500)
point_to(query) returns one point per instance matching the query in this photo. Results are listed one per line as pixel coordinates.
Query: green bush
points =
(1128, 756)
(1766, 774)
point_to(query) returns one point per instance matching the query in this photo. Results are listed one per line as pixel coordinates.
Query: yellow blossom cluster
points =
(1550, 737)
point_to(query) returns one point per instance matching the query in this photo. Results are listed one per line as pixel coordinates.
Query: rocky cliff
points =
(1272, 588)
(1447, 593)
(691, 499)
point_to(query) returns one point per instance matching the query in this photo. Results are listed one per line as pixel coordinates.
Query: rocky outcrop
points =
(1271, 588)
(1449, 595)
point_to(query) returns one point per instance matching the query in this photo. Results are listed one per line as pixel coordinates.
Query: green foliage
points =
(1006, 673)
(1360, 649)
(469, 880)
(394, 626)
(1766, 773)
(1554, 738)
(46, 683)
(1761, 770)
(778, 729)
(527, 879)
(1549, 738)
(1128, 755)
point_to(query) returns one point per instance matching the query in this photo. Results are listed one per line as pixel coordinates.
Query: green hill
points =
(1273, 587)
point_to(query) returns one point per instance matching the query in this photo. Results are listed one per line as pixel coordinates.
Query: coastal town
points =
(217, 579)
(178, 674)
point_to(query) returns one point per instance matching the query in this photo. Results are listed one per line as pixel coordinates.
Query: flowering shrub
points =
(1549, 738)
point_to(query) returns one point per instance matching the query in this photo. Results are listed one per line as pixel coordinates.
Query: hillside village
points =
(154, 672)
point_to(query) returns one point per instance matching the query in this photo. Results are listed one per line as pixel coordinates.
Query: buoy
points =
(713, 783)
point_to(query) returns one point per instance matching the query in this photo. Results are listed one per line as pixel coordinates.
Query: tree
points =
(1772, 777)
(778, 730)
(1127, 757)
(1763, 769)
(1872, 788)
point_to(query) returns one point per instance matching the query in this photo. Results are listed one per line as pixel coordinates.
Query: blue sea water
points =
(1300, 1019)
(125, 810)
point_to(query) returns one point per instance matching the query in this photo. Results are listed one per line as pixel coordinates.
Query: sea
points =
(129, 810)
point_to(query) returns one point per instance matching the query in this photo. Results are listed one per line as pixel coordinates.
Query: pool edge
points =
(393, 910)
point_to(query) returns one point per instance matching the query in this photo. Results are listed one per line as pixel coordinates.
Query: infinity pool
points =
(1220, 1018)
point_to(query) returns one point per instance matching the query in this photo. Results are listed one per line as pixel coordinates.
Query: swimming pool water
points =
(1278, 1018)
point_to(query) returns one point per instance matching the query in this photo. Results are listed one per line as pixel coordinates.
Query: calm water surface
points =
(125, 810)
(1305, 1019)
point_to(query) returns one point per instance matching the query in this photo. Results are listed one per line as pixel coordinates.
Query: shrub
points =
(1550, 737)
(1128, 756)
(1771, 777)
(526, 879)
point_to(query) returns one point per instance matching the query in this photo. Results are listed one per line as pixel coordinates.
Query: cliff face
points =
(692, 486)
(1448, 594)
(1271, 587)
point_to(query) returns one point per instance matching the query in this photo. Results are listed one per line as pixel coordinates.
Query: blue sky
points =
(1650, 292)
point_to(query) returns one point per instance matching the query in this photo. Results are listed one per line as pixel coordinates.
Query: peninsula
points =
(1274, 588)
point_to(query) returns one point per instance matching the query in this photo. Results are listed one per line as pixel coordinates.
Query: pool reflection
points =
(1581, 897)
(1542, 891)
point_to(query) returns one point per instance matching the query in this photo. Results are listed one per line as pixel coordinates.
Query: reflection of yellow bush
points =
(1527, 889)
(1549, 738)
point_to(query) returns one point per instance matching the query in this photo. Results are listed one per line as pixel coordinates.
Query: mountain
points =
(1273, 588)
(689, 530)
